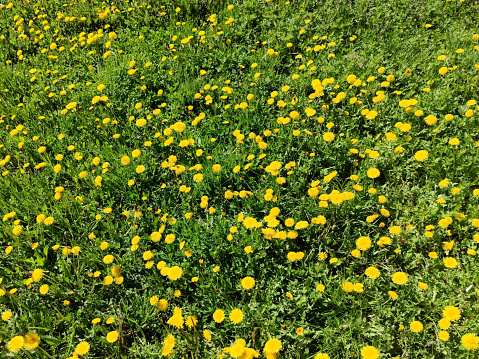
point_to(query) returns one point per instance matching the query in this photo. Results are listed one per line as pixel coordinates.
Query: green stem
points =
(27, 353)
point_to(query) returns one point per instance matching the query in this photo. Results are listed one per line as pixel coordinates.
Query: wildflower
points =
(369, 352)
(328, 136)
(218, 315)
(416, 326)
(431, 120)
(6, 315)
(112, 337)
(108, 259)
(421, 155)
(363, 243)
(247, 283)
(395, 230)
(372, 272)
(450, 262)
(162, 305)
(358, 287)
(272, 346)
(422, 285)
(470, 341)
(177, 319)
(17, 230)
(125, 160)
(31, 341)
(443, 335)
(348, 287)
(37, 275)
(191, 321)
(82, 348)
(236, 316)
(44, 289)
(444, 323)
(393, 295)
(175, 273)
(451, 313)
(15, 344)
(207, 334)
(399, 278)
(373, 173)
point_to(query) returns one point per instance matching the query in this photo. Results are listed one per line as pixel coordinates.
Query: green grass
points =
(51, 90)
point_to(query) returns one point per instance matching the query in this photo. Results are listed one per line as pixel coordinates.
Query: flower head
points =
(363, 243)
(421, 155)
(451, 313)
(272, 346)
(112, 337)
(470, 341)
(373, 173)
(247, 283)
(372, 272)
(82, 348)
(236, 316)
(416, 326)
(369, 352)
(399, 278)
(31, 341)
(15, 344)
(218, 315)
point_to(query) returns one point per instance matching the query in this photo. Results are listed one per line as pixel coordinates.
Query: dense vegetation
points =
(272, 179)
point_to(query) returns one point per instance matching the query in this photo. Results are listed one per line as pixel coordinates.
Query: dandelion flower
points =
(451, 313)
(348, 287)
(369, 352)
(399, 278)
(218, 315)
(372, 272)
(328, 136)
(162, 305)
(470, 341)
(443, 335)
(6, 315)
(236, 316)
(31, 341)
(112, 337)
(421, 155)
(15, 344)
(37, 275)
(393, 295)
(17, 230)
(82, 348)
(177, 319)
(175, 273)
(450, 262)
(416, 326)
(373, 173)
(444, 323)
(247, 283)
(207, 334)
(272, 346)
(191, 321)
(363, 243)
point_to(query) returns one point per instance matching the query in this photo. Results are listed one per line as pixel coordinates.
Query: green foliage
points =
(115, 116)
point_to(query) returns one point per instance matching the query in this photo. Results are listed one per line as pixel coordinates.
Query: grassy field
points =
(244, 179)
